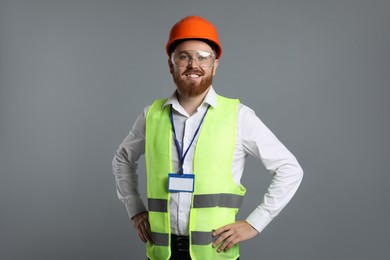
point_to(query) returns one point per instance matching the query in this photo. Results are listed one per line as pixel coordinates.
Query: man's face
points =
(193, 79)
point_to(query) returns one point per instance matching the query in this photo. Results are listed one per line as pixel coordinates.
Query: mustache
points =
(191, 71)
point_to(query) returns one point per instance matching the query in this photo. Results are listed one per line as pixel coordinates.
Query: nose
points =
(191, 63)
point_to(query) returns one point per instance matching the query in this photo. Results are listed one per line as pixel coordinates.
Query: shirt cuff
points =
(134, 206)
(259, 219)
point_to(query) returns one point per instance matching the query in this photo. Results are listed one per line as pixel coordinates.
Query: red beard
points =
(192, 89)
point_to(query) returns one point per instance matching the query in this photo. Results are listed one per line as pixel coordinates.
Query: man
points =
(195, 145)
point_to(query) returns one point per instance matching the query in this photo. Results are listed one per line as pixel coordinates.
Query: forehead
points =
(193, 45)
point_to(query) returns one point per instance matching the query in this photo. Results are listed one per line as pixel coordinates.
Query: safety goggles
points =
(203, 59)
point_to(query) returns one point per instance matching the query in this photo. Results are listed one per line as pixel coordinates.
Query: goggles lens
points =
(204, 59)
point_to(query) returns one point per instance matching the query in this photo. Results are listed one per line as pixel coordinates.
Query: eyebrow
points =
(199, 52)
(184, 51)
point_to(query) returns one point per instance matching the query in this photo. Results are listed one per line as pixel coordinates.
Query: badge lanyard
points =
(179, 150)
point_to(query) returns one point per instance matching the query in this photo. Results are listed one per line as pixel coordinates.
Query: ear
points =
(216, 62)
(170, 64)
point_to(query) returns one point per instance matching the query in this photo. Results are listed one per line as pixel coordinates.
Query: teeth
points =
(193, 76)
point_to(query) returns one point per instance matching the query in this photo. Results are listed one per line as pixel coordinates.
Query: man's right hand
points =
(141, 224)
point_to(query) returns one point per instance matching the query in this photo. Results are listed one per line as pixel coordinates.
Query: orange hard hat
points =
(194, 27)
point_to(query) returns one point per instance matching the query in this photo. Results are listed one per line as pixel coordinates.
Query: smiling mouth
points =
(193, 76)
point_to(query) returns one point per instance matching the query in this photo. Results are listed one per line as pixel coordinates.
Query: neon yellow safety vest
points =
(216, 198)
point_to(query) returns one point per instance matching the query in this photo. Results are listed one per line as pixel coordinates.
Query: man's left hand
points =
(232, 234)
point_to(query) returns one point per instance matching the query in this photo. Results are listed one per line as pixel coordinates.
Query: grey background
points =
(75, 74)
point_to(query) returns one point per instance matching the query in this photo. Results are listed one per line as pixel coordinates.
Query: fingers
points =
(141, 235)
(226, 241)
(232, 234)
(228, 244)
(141, 224)
(146, 231)
(221, 234)
(142, 232)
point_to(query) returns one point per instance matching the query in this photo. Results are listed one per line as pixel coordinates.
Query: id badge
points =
(181, 182)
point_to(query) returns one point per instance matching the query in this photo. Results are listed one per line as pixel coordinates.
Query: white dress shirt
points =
(253, 138)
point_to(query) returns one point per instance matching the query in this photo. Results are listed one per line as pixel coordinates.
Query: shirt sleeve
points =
(124, 167)
(287, 174)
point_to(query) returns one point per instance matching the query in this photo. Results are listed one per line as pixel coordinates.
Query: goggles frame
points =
(204, 59)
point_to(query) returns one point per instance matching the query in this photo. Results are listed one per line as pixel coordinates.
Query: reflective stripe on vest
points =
(201, 201)
(158, 205)
(216, 198)
(160, 239)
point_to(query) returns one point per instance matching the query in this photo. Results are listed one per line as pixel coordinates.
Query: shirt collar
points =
(210, 99)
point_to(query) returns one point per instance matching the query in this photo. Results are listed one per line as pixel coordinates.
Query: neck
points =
(191, 104)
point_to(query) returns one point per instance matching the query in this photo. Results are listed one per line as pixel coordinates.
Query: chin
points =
(192, 89)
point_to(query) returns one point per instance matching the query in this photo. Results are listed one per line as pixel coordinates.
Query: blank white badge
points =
(181, 182)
